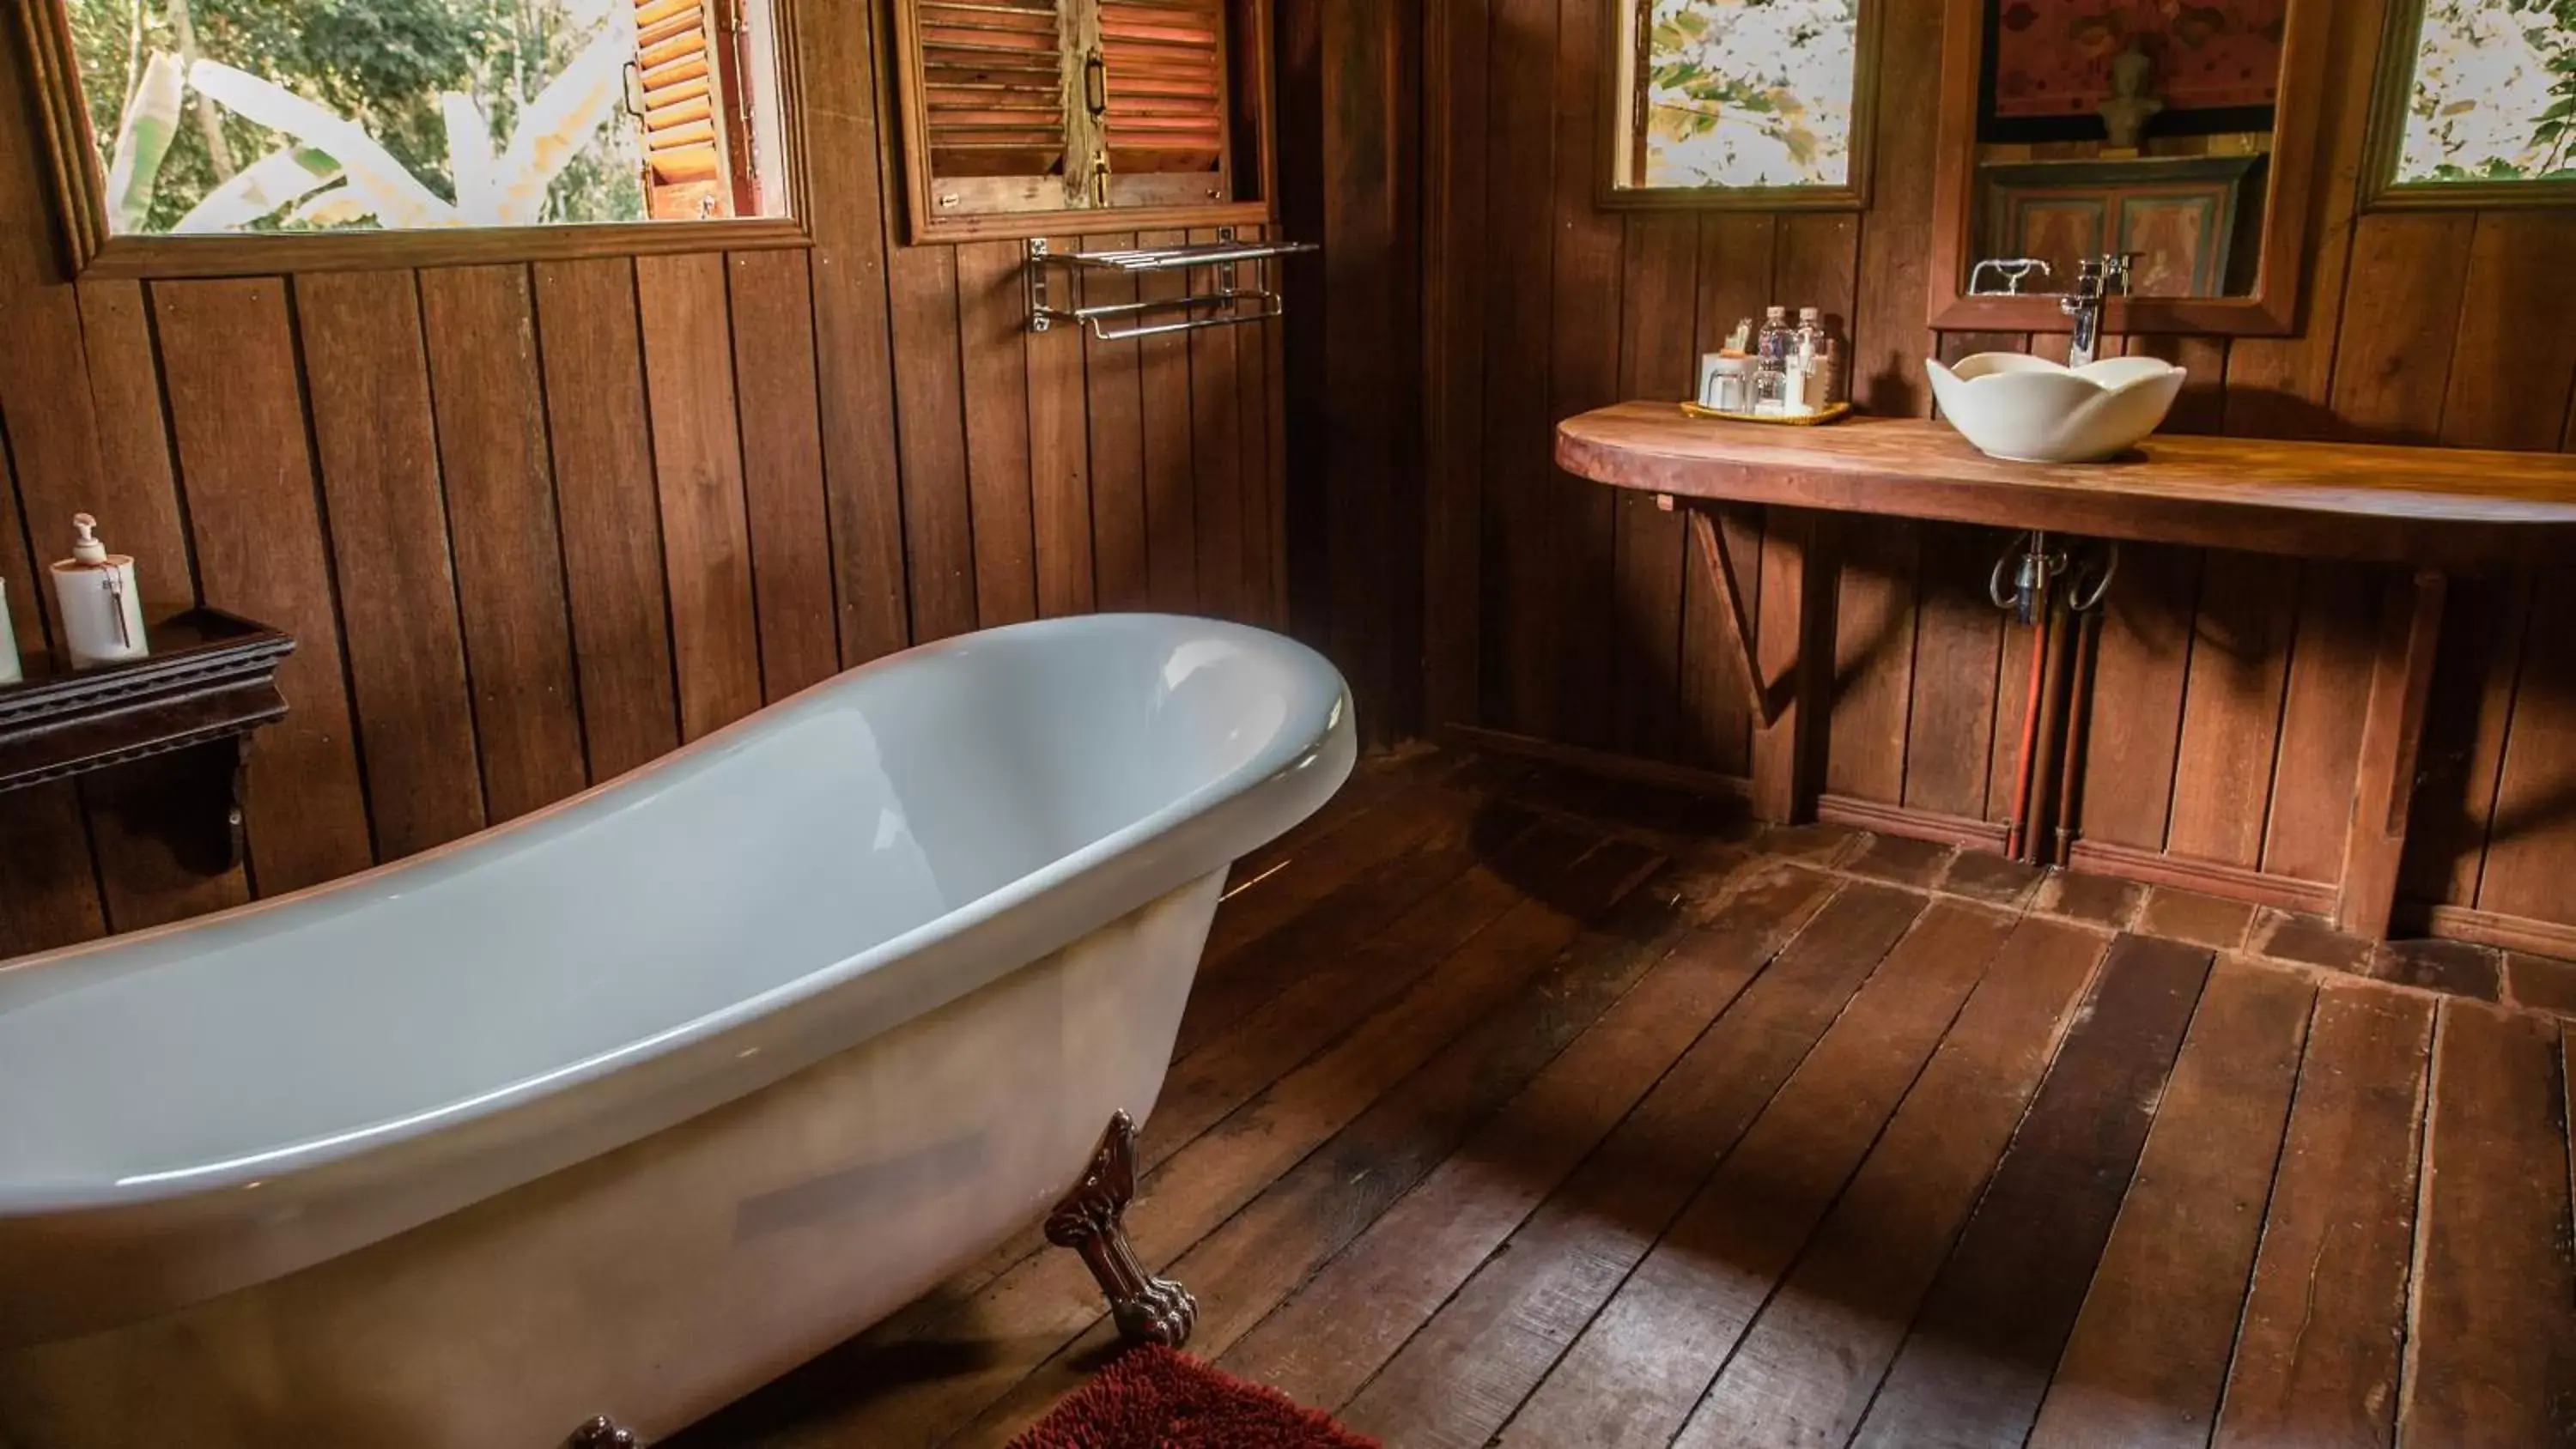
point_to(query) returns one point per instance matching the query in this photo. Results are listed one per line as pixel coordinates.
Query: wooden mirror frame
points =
(1619, 98)
(2297, 156)
(2400, 46)
(80, 189)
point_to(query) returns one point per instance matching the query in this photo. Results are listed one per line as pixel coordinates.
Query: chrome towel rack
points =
(1224, 307)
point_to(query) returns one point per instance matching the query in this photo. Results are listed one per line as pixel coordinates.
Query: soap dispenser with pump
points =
(102, 608)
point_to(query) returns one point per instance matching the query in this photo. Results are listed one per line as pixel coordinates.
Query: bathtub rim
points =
(1318, 731)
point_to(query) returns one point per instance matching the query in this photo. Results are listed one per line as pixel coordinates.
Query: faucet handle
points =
(2106, 275)
(2014, 271)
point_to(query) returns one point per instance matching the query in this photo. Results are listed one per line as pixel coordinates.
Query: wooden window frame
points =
(1150, 208)
(2400, 47)
(80, 186)
(1623, 96)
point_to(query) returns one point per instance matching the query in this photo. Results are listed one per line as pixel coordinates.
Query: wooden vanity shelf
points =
(210, 680)
(2424, 513)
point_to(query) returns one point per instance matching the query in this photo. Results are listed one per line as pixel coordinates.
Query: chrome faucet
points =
(2097, 279)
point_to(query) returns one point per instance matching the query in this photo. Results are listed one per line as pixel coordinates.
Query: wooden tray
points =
(1834, 414)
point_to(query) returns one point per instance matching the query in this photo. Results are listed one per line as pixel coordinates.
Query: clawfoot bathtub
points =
(628, 1107)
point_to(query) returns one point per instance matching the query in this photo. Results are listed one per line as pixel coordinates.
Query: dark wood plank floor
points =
(1514, 1108)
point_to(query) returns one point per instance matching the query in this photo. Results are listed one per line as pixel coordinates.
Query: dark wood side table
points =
(210, 680)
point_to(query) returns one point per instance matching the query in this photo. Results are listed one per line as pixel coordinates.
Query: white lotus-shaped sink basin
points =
(2032, 410)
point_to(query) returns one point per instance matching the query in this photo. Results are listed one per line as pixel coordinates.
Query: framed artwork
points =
(1760, 104)
(2049, 65)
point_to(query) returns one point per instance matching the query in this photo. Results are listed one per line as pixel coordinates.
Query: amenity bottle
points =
(102, 608)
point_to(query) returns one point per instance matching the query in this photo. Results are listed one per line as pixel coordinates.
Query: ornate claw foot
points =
(602, 1433)
(1091, 1221)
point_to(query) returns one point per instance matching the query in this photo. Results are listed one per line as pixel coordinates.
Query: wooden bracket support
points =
(1711, 547)
(2392, 742)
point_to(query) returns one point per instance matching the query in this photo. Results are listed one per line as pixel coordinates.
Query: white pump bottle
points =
(102, 608)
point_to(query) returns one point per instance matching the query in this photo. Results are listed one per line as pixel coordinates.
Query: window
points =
(1017, 111)
(283, 118)
(2477, 104)
(1739, 103)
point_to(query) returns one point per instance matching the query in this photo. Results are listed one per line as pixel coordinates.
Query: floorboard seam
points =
(2280, 1163)
(1790, 1270)
(1716, 1164)
(2065, 1028)
(1838, 886)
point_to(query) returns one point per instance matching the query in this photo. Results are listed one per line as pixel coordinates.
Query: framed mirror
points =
(2184, 137)
(1746, 104)
(206, 137)
(2476, 105)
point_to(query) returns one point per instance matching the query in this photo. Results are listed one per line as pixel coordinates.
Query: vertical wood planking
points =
(2474, 682)
(136, 492)
(2513, 363)
(1958, 656)
(1216, 461)
(697, 463)
(1261, 503)
(1519, 597)
(1120, 539)
(2138, 696)
(990, 316)
(1060, 499)
(1657, 360)
(2531, 851)
(2321, 721)
(237, 409)
(782, 470)
(847, 206)
(2232, 701)
(1583, 374)
(614, 577)
(490, 404)
(1887, 339)
(2392, 367)
(136, 498)
(1456, 48)
(1171, 506)
(49, 894)
(939, 542)
(1873, 660)
(367, 369)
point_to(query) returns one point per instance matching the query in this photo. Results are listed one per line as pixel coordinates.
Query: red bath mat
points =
(1153, 1398)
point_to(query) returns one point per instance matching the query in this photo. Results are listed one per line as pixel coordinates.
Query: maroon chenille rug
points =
(1154, 1398)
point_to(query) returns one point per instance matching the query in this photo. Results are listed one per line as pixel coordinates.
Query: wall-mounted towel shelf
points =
(1225, 306)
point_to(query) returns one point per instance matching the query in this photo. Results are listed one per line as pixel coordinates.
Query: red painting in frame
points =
(2053, 57)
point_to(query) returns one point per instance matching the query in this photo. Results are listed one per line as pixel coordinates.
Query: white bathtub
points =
(628, 1107)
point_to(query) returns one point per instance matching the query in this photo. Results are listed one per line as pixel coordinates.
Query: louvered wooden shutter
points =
(1041, 106)
(1000, 81)
(1167, 103)
(692, 143)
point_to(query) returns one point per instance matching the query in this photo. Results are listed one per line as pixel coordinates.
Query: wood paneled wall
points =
(534, 525)
(2225, 717)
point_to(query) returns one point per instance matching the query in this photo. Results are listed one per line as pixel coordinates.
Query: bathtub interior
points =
(863, 811)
